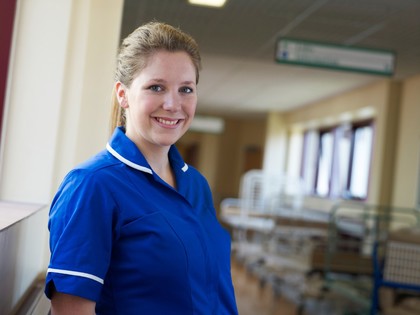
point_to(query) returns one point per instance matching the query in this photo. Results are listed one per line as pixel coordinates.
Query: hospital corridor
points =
(285, 140)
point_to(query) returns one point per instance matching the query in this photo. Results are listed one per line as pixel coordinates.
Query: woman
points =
(133, 230)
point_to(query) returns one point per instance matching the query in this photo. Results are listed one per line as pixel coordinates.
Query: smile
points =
(167, 122)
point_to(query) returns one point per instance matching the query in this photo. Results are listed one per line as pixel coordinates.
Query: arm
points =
(81, 202)
(65, 304)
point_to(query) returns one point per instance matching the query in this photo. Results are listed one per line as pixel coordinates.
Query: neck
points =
(166, 174)
(158, 159)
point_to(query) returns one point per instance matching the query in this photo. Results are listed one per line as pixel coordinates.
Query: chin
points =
(168, 141)
(171, 139)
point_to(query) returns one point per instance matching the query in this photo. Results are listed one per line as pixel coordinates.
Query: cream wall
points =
(208, 151)
(238, 134)
(221, 156)
(35, 89)
(56, 112)
(406, 181)
(59, 89)
(276, 144)
(208, 157)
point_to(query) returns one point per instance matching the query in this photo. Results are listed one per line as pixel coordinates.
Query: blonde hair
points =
(135, 51)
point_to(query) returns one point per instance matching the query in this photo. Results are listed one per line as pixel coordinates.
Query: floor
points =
(252, 299)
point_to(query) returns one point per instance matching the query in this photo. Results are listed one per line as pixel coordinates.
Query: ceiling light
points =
(207, 124)
(209, 3)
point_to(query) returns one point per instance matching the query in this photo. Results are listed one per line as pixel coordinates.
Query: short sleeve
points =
(81, 225)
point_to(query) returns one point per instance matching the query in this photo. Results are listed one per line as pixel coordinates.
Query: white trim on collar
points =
(185, 167)
(127, 162)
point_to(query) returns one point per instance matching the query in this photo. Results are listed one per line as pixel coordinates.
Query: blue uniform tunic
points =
(121, 236)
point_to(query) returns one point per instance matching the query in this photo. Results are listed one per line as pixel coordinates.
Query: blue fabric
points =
(157, 250)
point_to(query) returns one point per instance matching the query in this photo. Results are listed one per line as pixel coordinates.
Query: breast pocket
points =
(150, 249)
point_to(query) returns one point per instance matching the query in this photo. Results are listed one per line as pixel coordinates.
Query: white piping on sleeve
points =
(127, 162)
(76, 273)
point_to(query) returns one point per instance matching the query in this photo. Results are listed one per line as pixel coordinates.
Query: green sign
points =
(321, 55)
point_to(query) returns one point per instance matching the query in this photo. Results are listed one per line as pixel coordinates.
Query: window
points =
(324, 165)
(336, 161)
(309, 160)
(342, 160)
(360, 161)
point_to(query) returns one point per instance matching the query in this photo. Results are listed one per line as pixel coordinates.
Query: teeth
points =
(167, 122)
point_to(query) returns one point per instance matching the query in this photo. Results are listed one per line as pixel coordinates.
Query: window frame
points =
(334, 173)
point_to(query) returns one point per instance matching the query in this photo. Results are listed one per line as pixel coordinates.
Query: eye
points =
(186, 89)
(155, 88)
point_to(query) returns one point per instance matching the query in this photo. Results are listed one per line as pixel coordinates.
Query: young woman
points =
(133, 230)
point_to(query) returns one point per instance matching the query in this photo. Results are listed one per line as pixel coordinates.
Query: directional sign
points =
(338, 57)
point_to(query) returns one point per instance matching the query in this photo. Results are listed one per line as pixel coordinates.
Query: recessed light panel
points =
(209, 3)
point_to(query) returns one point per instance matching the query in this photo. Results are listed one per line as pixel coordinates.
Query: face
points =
(161, 101)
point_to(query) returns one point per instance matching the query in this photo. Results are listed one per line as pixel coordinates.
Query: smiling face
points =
(161, 101)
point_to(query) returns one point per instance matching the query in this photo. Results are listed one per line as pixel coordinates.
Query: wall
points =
(20, 256)
(406, 181)
(7, 14)
(238, 134)
(60, 81)
(60, 76)
(276, 144)
(33, 100)
(221, 156)
(209, 145)
(208, 150)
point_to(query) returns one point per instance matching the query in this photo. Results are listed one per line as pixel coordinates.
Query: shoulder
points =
(196, 175)
(98, 162)
(198, 181)
(88, 185)
(91, 175)
(99, 165)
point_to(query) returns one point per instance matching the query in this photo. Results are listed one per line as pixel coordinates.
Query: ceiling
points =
(240, 75)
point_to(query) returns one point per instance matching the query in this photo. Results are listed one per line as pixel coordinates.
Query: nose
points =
(172, 101)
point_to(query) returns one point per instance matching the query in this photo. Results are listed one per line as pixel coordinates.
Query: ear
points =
(121, 92)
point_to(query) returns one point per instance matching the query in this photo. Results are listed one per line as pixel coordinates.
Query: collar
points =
(123, 149)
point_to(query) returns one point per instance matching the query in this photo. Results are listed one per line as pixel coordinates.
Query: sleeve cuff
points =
(77, 285)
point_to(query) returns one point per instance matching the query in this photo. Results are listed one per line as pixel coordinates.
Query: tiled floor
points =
(252, 299)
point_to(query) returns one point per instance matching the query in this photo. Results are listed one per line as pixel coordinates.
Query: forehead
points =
(166, 58)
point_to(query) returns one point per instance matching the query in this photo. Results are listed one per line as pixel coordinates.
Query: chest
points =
(157, 224)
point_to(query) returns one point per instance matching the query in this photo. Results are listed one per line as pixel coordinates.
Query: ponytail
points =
(117, 113)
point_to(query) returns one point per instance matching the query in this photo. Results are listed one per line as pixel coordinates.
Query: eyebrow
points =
(188, 82)
(164, 81)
